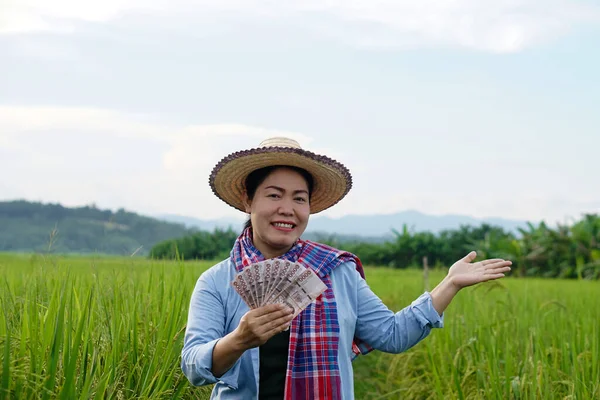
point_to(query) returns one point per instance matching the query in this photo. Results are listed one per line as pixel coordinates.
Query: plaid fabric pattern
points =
(312, 371)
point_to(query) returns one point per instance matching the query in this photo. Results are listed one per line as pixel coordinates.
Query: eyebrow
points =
(283, 190)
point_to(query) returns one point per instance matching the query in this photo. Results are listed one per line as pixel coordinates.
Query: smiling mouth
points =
(283, 225)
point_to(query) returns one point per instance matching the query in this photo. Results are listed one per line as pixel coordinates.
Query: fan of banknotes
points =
(278, 281)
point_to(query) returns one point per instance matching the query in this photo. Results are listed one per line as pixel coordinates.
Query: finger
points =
(277, 325)
(491, 261)
(269, 308)
(498, 264)
(470, 257)
(273, 315)
(497, 271)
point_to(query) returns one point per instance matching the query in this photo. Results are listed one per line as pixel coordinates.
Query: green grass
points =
(106, 327)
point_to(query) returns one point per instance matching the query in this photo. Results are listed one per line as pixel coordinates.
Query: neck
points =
(268, 252)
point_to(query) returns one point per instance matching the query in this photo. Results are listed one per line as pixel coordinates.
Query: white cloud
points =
(198, 148)
(496, 26)
(501, 26)
(113, 160)
(17, 118)
(20, 16)
(7, 142)
(80, 156)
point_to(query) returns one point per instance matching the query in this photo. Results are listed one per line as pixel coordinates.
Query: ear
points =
(247, 202)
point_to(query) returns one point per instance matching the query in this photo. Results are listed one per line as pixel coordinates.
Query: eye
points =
(273, 195)
(301, 199)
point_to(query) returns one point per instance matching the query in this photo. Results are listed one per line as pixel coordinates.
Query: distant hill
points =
(30, 226)
(204, 224)
(375, 227)
(27, 226)
(236, 225)
(383, 224)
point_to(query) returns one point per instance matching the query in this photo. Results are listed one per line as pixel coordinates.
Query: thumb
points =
(470, 257)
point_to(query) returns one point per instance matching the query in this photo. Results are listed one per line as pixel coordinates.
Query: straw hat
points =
(332, 180)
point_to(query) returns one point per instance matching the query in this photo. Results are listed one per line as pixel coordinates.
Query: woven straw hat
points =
(332, 180)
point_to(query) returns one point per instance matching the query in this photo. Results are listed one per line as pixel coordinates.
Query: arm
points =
(463, 273)
(255, 328)
(208, 356)
(442, 295)
(225, 354)
(205, 328)
(393, 332)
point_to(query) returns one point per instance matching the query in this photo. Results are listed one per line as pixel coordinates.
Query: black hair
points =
(258, 176)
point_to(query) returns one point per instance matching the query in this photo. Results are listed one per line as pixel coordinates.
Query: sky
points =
(481, 108)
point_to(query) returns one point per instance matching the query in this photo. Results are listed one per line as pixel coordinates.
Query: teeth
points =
(281, 225)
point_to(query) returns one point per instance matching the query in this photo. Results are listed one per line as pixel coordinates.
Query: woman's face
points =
(279, 211)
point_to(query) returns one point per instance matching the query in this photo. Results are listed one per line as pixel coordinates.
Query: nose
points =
(286, 208)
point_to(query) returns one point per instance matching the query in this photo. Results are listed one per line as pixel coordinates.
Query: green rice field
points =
(112, 328)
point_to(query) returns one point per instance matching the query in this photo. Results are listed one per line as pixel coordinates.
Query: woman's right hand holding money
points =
(255, 328)
(259, 325)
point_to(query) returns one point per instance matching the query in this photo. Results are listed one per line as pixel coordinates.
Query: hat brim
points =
(332, 180)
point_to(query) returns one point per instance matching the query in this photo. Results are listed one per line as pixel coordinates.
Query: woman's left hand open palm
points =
(465, 273)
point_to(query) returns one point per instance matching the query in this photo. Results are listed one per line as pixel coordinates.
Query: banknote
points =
(278, 281)
(287, 276)
(241, 286)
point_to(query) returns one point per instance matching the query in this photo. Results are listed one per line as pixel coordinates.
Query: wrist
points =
(236, 342)
(449, 282)
(443, 294)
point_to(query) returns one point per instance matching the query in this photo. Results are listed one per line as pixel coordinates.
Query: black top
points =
(273, 364)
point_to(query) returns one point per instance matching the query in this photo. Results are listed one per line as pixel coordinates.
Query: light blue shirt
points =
(216, 309)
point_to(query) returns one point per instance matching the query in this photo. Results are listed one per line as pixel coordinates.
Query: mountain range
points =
(365, 226)
(31, 226)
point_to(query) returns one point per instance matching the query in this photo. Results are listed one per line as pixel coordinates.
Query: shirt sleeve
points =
(205, 327)
(392, 332)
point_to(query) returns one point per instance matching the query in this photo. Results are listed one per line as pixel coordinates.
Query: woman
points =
(266, 352)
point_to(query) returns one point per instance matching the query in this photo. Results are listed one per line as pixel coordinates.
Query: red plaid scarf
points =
(312, 371)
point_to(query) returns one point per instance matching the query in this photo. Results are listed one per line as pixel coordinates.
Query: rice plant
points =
(104, 327)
